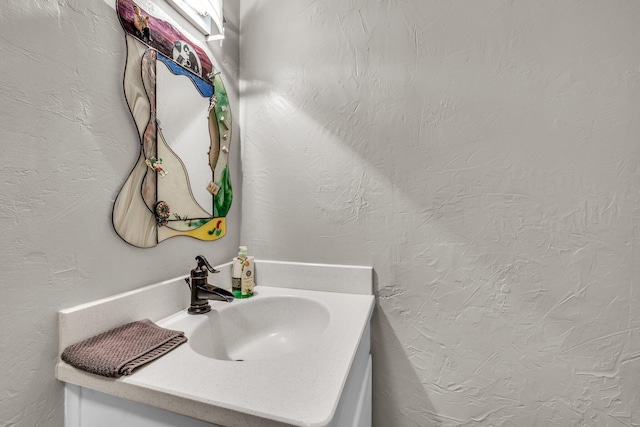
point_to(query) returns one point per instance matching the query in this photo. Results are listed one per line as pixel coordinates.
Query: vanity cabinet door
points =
(89, 408)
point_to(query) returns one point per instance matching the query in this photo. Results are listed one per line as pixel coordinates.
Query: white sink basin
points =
(259, 328)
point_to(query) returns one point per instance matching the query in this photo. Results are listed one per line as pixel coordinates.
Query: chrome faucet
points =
(201, 290)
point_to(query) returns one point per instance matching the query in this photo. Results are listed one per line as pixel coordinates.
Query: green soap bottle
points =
(242, 274)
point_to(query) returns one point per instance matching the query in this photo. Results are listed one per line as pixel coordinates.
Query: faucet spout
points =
(210, 292)
(215, 293)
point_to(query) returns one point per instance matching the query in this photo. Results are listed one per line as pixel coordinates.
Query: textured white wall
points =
(68, 144)
(484, 158)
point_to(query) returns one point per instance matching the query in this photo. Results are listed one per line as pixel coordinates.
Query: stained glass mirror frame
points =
(157, 200)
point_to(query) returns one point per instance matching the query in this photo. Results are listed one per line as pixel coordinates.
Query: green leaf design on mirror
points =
(222, 201)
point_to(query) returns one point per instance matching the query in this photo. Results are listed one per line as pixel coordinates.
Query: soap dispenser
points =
(242, 282)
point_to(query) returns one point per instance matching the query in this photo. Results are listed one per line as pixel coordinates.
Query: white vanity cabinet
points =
(325, 382)
(85, 407)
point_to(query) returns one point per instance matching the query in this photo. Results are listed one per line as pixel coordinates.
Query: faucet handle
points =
(202, 262)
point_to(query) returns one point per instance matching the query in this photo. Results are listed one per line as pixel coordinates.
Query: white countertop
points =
(300, 388)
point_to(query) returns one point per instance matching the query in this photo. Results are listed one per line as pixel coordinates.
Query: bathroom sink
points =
(304, 348)
(259, 328)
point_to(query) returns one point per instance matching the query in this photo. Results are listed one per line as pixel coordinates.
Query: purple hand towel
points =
(121, 350)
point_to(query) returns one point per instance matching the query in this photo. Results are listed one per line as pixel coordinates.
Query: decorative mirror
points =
(180, 183)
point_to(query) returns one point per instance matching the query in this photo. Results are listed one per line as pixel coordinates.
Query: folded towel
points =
(123, 349)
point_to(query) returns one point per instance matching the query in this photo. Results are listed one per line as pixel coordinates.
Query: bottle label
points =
(247, 283)
(235, 283)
